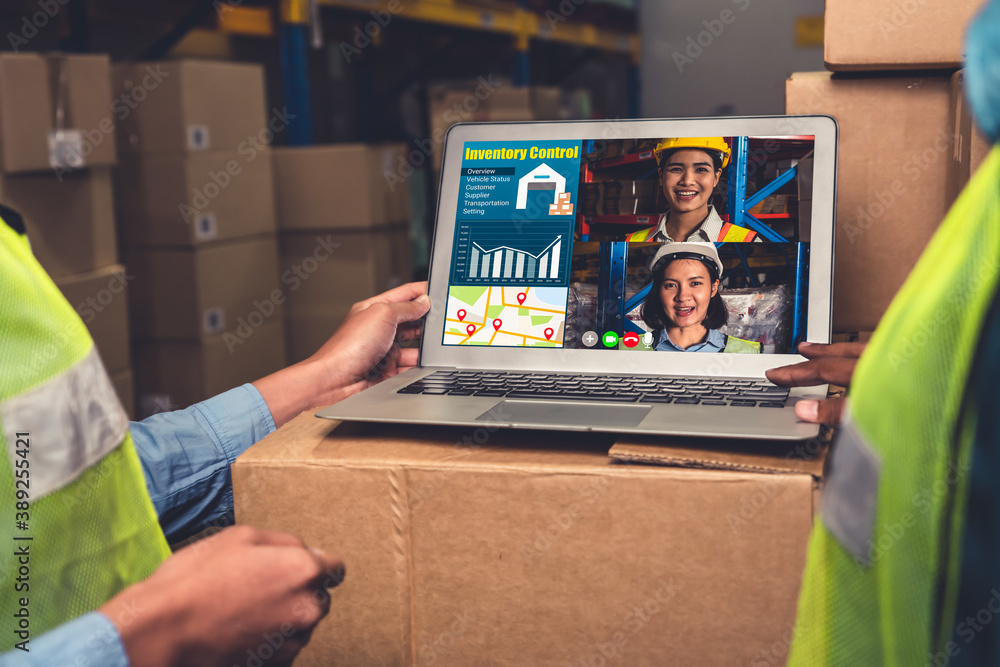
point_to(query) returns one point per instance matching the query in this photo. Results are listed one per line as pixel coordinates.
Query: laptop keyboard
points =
(615, 388)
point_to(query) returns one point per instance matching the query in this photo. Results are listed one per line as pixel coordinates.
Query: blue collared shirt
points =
(185, 458)
(714, 342)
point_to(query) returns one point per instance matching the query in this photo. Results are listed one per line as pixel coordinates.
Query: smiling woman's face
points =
(686, 292)
(689, 177)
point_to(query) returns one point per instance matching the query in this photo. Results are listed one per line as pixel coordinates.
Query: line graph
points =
(506, 253)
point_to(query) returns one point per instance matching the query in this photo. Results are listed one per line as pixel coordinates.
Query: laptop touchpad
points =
(563, 412)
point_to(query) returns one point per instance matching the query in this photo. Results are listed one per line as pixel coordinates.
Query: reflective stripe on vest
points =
(729, 233)
(70, 480)
(881, 575)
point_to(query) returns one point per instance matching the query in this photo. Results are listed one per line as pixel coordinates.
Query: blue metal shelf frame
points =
(611, 306)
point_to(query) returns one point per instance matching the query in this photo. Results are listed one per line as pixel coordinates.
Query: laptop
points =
(540, 296)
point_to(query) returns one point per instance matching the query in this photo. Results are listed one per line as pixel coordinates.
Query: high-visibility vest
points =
(729, 233)
(78, 523)
(736, 345)
(881, 577)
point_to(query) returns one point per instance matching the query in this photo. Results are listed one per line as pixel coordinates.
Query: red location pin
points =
(496, 324)
(548, 334)
(521, 297)
(471, 329)
(461, 315)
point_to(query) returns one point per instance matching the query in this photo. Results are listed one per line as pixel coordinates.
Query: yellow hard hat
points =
(711, 143)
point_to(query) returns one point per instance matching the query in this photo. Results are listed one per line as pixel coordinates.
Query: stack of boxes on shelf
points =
(196, 210)
(343, 214)
(487, 99)
(900, 142)
(56, 153)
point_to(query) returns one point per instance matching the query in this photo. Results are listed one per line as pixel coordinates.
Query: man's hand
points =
(239, 594)
(828, 364)
(364, 351)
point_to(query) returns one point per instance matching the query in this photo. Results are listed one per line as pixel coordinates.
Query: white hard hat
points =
(704, 252)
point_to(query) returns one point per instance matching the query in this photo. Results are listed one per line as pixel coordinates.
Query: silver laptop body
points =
(444, 359)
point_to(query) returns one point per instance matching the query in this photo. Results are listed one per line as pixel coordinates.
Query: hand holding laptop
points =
(827, 364)
(362, 352)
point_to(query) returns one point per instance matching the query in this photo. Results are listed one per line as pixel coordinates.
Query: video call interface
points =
(555, 241)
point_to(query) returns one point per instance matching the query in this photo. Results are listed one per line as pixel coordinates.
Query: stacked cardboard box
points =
(344, 234)
(899, 141)
(197, 218)
(486, 100)
(56, 154)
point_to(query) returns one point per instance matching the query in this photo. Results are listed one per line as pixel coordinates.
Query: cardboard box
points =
(170, 375)
(177, 106)
(487, 100)
(894, 149)
(861, 35)
(971, 145)
(804, 183)
(197, 293)
(124, 384)
(462, 543)
(348, 186)
(43, 94)
(195, 198)
(99, 298)
(70, 221)
(323, 266)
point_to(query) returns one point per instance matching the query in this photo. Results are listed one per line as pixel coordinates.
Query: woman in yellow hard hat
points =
(689, 171)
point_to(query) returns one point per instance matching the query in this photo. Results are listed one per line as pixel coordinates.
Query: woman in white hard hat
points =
(684, 308)
(689, 171)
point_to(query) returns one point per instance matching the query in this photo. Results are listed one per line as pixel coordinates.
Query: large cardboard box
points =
(194, 105)
(487, 100)
(99, 298)
(70, 220)
(344, 265)
(971, 145)
(914, 34)
(466, 546)
(347, 186)
(175, 374)
(188, 199)
(55, 112)
(894, 149)
(181, 293)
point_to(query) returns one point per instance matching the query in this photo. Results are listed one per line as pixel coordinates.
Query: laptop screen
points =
(697, 244)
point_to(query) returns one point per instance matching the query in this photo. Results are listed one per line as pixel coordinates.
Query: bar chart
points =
(507, 253)
(505, 262)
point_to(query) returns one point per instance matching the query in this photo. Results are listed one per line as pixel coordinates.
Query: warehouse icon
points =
(542, 177)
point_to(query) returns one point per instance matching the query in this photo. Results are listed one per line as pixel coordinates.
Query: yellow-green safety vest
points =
(881, 576)
(733, 345)
(78, 525)
(729, 233)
